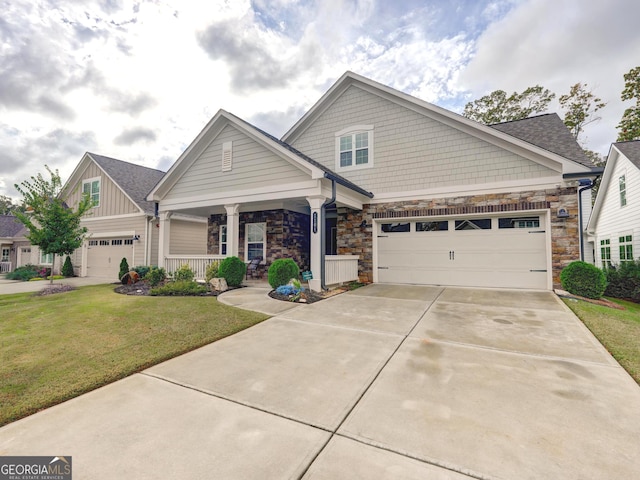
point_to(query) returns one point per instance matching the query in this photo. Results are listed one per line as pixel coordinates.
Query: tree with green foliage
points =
(580, 106)
(67, 268)
(7, 207)
(499, 107)
(53, 225)
(124, 268)
(629, 126)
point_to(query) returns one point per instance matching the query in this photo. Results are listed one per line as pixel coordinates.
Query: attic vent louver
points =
(227, 156)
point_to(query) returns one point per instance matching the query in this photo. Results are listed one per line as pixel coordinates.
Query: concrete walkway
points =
(15, 286)
(384, 382)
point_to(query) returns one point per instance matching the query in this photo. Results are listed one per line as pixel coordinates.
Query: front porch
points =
(338, 268)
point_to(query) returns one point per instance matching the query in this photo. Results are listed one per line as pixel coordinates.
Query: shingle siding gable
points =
(411, 151)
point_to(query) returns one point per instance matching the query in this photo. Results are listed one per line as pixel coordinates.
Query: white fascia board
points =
(467, 190)
(76, 174)
(112, 217)
(188, 218)
(442, 115)
(268, 193)
(612, 160)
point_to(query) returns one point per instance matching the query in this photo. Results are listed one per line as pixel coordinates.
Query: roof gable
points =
(627, 150)
(134, 181)
(214, 128)
(511, 142)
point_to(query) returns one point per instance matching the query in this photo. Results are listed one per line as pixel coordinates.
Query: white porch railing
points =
(197, 263)
(5, 267)
(340, 268)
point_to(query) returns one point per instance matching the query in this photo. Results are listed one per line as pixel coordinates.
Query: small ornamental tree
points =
(124, 268)
(67, 268)
(53, 225)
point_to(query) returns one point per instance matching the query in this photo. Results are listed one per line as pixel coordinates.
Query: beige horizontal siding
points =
(188, 238)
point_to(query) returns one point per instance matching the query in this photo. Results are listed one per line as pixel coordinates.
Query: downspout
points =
(323, 233)
(585, 186)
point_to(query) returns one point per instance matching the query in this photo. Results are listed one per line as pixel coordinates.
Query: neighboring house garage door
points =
(507, 251)
(104, 256)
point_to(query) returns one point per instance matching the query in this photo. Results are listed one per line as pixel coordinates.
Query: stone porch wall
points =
(287, 235)
(565, 240)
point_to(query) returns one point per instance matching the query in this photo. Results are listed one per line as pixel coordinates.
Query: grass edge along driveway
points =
(56, 347)
(617, 330)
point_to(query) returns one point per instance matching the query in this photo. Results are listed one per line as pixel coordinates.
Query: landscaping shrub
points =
(281, 271)
(212, 270)
(67, 268)
(232, 269)
(584, 279)
(24, 273)
(155, 276)
(180, 288)
(184, 274)
(624, 281)
(141, 270)
(124, 268)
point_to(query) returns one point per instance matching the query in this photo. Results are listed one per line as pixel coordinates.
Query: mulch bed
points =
(601, 301)
(55, 289)
(307, 296)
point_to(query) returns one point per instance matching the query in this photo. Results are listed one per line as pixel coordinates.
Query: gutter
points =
(594, 172)
(584, 184)
(323, 229)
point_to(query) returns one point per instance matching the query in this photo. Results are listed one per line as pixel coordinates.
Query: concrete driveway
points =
(384, 382)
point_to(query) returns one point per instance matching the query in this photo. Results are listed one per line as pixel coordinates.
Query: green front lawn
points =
(617, 330)
(56, 347)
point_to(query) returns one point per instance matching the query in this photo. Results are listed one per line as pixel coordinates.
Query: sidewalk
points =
(15, 286)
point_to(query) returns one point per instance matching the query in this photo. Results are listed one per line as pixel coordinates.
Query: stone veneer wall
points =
(287, 235)
(565, 240)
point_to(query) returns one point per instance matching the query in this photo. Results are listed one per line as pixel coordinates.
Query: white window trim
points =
(8, 256)
(220, 242)
(90, 181)
(246, 240)
(43, 255)
(353, 130)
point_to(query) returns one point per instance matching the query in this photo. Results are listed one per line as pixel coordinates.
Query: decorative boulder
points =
(130, 278)
(219, 284)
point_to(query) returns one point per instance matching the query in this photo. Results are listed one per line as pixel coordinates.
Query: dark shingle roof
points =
(549, 132)
(137, 181)
(631, 150)
(10, 226)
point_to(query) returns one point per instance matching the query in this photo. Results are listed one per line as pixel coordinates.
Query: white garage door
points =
(104, 256)
(506, 251)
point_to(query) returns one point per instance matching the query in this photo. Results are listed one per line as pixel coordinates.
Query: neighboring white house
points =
(388, 186)
(123, 224)
(614, 227)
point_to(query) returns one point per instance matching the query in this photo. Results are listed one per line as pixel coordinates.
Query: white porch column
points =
(165, 237)
(315, 236)
(233, 229)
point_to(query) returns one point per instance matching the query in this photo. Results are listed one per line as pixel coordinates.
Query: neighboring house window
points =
(223, 239)
(92, 187)
(5, 255)
(46, 258)
(623, 190)
(354, 147)
(626, 248)
(256, 240)
(605, 253)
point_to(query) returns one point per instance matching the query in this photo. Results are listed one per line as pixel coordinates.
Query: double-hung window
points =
(255, 240)
(91, 186)
(5, 255)
(626, 248)
(605, 253)
(354, 147)
(622, 183)
(46, 258)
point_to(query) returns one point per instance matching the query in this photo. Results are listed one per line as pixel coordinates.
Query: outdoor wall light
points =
(363, 224)
(563, 213)
(136, 237)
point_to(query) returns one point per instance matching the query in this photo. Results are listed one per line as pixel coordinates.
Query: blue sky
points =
(137, 80)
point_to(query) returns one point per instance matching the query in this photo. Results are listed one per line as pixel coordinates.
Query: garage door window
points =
(396, 227)
(519, 222)
(474, 224)
(432, 226)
